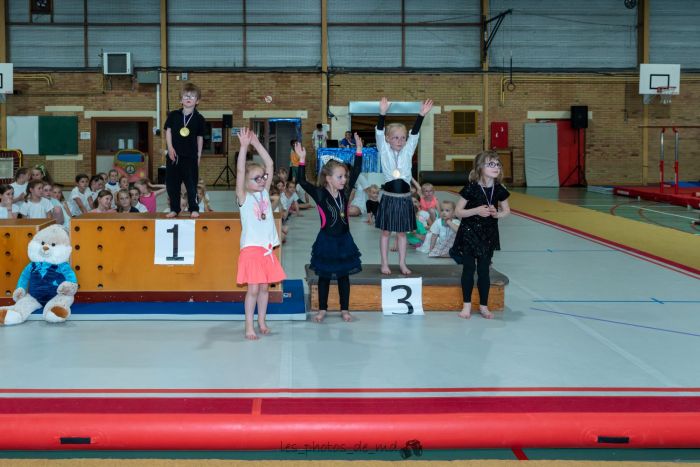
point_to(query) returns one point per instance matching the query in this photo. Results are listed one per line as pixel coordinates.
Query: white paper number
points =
(402, 296)
(174, 242)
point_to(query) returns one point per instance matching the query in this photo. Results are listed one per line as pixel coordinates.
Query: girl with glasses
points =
(257, 264)
(483, 201)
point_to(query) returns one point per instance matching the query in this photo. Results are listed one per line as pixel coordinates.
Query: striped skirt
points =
(395, 213)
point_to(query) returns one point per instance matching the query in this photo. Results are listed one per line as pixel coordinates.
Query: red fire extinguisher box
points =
(499, 135)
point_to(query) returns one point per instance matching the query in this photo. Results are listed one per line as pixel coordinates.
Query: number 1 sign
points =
(402, 296)
(174, 242)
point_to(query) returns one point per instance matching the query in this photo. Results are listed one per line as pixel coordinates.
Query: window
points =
(464, 123)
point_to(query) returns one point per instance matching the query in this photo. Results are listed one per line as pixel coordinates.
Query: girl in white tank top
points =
(258, 266)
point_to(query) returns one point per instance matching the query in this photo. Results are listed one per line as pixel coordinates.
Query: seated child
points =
(417, 237)
(444, 231)
(372, 203)
(8, 210)
(428, 200)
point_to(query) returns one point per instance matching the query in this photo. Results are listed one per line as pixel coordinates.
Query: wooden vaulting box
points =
(113, 258)
(15, 235)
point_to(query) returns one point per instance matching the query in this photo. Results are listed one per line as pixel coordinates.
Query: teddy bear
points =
(48, 281)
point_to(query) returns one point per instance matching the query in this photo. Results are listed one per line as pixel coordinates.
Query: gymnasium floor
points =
(582, 318)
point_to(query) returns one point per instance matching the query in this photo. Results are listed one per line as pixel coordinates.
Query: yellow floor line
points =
(673, 245)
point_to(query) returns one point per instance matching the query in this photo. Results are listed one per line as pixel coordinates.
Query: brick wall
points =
(613, 139)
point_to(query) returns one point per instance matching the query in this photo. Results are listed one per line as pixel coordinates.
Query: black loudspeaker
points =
(227, 121)
(579, 116)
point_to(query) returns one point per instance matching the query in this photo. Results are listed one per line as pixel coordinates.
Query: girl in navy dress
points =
(483, 201)
(334, 254)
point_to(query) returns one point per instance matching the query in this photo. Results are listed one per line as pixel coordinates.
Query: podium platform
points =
(442, 289)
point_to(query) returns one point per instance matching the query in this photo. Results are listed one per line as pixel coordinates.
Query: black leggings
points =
(324, 285)
(483, 282)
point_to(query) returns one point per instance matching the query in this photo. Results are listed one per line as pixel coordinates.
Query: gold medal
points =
(342, 215)
(396, 173)
(184, 131)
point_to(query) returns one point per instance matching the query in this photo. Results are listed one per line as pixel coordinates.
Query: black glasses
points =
(260, 178)
(493, 165)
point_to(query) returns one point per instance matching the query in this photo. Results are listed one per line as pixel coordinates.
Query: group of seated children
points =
(33, 195)
(287, 198)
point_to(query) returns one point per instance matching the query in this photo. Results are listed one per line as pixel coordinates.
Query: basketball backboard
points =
(653, 76)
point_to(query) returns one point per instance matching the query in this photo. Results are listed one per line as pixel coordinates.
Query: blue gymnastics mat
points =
(293, 307)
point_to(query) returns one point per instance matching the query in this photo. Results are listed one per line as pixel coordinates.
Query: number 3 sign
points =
(402, 296)
(174, 242)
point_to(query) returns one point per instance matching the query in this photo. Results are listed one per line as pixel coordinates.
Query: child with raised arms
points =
(482, 202)
(334, 254)
(257, 264)
(395, 212)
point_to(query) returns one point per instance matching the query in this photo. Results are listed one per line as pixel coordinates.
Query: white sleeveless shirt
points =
(257, 222)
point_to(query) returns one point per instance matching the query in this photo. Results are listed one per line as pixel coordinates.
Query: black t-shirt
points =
(185, 146)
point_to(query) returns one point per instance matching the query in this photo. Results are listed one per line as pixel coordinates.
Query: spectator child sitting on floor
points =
(124, 202)
(135, 194)
(8, 210)
(372, 203)
(80, 197)
(417, 238)
(444, 231)
(20, 185)
(36, 206)
(289, 199)
(103, 203)
(147, 196)
(203, 198)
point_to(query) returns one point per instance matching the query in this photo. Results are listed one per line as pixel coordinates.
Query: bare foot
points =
(171, 214)
(250, 334)
(404, 270)
(484, 311)
(466, 312)
(319, 316)
(347, 317)
(394, 247)
(385, 270)
(194, 214)
(263, 328)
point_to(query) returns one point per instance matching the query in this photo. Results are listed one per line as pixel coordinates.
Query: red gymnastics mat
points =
(686, 196)
(271, 423)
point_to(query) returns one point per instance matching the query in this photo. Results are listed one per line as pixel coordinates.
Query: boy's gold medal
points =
(184, 131)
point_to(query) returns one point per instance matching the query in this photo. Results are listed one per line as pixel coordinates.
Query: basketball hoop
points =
(665, 93)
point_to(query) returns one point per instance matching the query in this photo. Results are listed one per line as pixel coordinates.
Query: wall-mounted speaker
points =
(579, 116)
(227, 120)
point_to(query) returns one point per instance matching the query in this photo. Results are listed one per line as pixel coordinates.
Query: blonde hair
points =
(450, 203)
(480, 162)
(327, 171)
(191, 88)
(390, 128)
(250, 165)
(119, 207)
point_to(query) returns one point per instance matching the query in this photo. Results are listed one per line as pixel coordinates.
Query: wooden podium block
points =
(15, 235)
(442, 289)
(113, 258)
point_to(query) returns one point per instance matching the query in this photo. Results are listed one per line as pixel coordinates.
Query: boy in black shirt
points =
(184, 135)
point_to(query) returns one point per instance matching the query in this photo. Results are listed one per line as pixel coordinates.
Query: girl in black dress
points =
(334, 254)
(483, 201)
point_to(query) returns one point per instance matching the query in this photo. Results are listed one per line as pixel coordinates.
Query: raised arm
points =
(244, 138)
(424, 110)
(267, 160)
(357, 163)
(308, 187)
